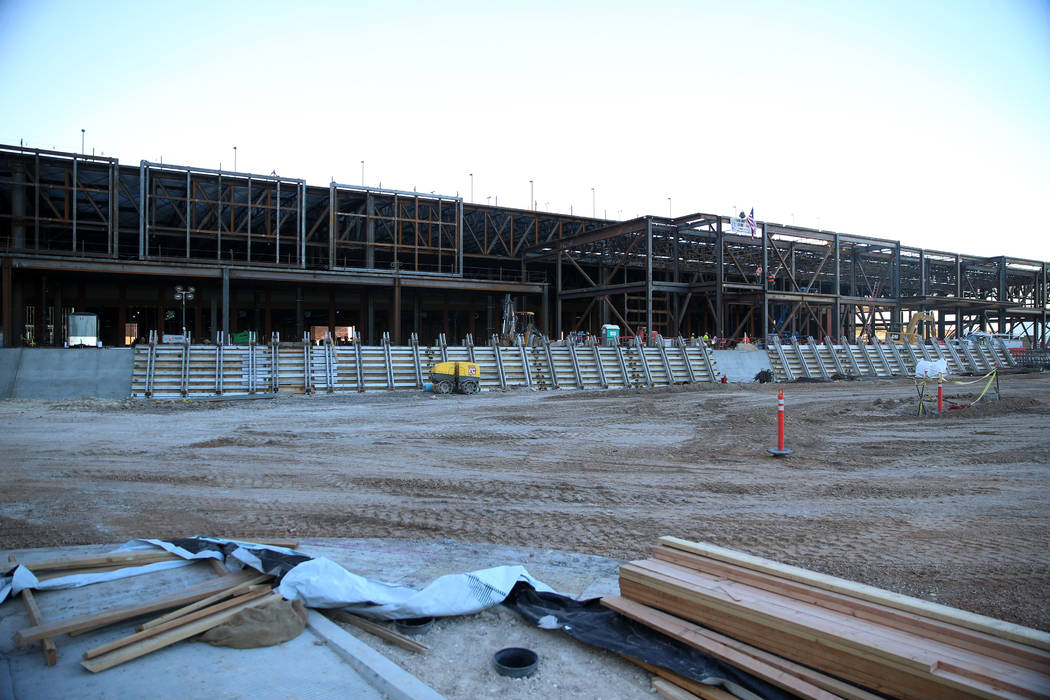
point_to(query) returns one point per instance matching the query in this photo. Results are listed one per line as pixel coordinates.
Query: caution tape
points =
(990, 377)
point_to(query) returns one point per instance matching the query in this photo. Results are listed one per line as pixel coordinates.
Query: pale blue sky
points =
(923, 121)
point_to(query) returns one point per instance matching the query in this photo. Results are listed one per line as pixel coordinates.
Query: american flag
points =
(751, 221)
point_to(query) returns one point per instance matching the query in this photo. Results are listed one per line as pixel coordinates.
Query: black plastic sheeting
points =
(589, 622)
(276, 564)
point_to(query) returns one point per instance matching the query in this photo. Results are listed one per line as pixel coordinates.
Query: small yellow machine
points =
(461, 377)
(909, 335)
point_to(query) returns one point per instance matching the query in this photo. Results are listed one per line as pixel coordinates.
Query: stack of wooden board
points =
(807, 633)
(198, 608)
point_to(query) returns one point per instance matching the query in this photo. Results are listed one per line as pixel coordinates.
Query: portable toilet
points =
(610, 335)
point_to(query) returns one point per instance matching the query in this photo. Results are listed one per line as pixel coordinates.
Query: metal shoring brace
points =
(920, 388)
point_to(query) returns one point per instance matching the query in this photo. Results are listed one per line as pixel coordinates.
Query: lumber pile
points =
(817, 636)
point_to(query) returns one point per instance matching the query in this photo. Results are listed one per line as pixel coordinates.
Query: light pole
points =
(234, 159)
(81, 142)
(594, 208)
(668, 207)
(531, 195)
(488, 200)
(184, 294)
(362, 173)
(471, 188)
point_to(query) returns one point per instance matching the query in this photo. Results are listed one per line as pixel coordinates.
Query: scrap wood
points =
(121, 558)
(91, 621)
(171, 636)
(828, 683)
(672, 691)
(701, 690)
(378, 630)
(171, 624)
(225, 593)
(686, 633)
(973, 621)
(62, 573)
(271, 541)
(47, 645)
(996, 647)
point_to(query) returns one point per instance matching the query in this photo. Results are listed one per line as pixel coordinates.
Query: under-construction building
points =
(273, 254)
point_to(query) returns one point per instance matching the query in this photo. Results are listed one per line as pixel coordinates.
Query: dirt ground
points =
(951, 508)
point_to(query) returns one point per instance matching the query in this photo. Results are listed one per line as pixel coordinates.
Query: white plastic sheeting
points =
(931, 368)
(321, 583)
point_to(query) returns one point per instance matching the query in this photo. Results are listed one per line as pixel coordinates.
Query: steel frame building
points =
(270, 253)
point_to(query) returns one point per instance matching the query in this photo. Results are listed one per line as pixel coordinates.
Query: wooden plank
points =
(896, 651)
(171, 624)
(973, 621)
(123, 559)
(378, 630)
(272, 541)
(225, 593)
(892, 647)
(75, 572)
(169, 637)
(1013, 652)
(669, 690)
(678, 629)
(832, 685)
(709, 692)
(47, 645)
(858, 670)
(90, 621)
(702, 690)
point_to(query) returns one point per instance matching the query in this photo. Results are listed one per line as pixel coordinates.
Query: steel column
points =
(9, 306)
(225, 305)
(720, 277)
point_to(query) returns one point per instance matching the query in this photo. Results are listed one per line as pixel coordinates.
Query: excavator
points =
(517, 323)
(909, 336)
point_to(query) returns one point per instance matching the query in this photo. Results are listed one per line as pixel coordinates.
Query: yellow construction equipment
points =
(909, 336)
(519, 324)
(461, 377)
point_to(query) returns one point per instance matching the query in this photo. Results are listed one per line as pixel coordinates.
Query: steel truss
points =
(783, 280)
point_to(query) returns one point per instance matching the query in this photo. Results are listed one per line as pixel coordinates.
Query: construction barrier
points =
(807, 359)
(206, 371)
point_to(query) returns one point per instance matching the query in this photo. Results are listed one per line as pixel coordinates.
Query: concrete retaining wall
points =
(741, 365)
(58, 373)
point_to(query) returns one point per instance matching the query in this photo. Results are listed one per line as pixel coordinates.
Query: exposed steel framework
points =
(274, 253)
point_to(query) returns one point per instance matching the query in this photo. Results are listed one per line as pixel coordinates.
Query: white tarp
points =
(321, 583)
(931, 368)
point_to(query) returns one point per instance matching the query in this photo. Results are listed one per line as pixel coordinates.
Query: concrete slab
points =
(10, 359)
(59, 373)
(742, 365)
(395, 682)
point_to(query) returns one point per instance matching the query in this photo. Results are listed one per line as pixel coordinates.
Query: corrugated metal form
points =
(208, 371)
(806, 359)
